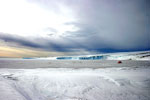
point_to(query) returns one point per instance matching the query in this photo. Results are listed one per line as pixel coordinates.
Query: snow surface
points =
(126, 83)
(88, 77)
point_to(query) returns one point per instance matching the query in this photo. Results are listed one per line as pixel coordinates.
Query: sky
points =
(39, 28)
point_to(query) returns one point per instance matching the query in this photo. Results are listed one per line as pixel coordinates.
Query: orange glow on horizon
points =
(13, 52)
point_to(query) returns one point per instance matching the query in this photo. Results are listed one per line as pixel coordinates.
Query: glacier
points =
(111, 56)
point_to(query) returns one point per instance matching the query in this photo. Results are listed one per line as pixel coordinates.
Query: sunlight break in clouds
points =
(28, 19)
(6, 51)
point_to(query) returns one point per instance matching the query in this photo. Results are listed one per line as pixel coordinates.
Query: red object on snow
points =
(119, 62)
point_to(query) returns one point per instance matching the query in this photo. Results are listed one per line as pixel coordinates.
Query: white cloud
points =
(29, 19)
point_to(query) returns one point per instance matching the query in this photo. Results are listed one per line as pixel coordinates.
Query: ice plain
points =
(36, 79)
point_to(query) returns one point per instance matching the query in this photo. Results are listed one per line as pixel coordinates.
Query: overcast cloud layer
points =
(90, 25)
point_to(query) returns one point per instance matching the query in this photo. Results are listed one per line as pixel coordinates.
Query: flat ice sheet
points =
(123, 83)
(34, 63)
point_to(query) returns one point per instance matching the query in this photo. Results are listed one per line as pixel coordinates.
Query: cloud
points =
(120, 24)
(100, 26)
(47, 43)
(6, 51)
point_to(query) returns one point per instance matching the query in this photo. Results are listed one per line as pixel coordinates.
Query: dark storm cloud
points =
(49, 44)
(113, 24)
(18, 39)
(104, 25)
(123, 24)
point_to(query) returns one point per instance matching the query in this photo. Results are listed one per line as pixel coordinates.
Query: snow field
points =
(75, 84)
